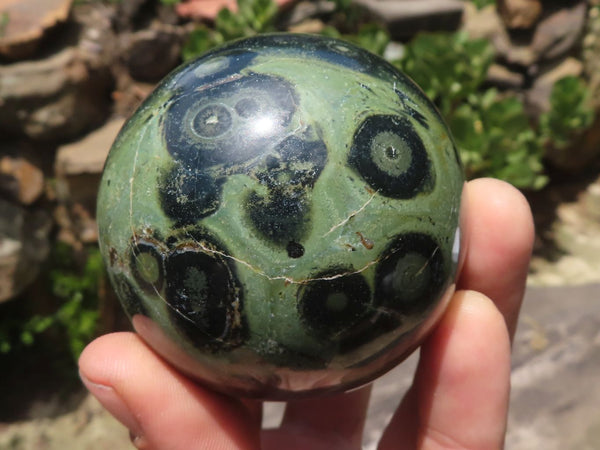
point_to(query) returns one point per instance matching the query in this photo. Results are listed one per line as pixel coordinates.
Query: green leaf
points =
(483, 3)
(448, 66)
(373, 38)
(252, 17)
(570, 112)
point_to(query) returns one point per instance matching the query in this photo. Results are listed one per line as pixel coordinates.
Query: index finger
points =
(500, 232)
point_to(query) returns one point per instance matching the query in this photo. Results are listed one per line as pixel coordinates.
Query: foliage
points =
(4, 20)
(483, 3)
(342, 5)
(495, 139)
(253, 17)
(370, 36)
(448, 66)
(492, 131)
(570, 112)
(75, 312)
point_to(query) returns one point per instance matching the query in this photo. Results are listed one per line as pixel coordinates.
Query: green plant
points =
(496, 139)
(78, 292)
(482, 3)
(253, 17)
(449, 67)
(75, 309)
(492, 131)
(4, 20)
(570, 112)
(371, 36)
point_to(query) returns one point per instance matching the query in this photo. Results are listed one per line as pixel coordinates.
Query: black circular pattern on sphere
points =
(187, 195)
(334, 302)
(411, 276)
(210, 69)
(205, 298)
(148, 266)
(212, 121)
(283, 213)
(217, 124)
(389, 154)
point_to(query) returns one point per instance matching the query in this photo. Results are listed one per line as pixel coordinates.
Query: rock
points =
(78, 169)
(558, 33)
(313, 26)
(538, 97)
(485, 23)
(407, 17)
(89, 153)
(520, 13)
(54, 98)
(151, 54)
(24, 246)
(26, 22)
(306, 11)
(20, 179)
(502, 77)
(127, 13)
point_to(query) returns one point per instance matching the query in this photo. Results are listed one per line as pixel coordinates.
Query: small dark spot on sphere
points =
(294, 249)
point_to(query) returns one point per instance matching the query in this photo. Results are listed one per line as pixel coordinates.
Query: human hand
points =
(459, 397)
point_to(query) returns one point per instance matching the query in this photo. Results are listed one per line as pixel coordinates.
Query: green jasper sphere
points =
(280, 217)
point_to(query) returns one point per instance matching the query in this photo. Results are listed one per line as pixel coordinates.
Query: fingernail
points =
(113, 403)
(138, 442)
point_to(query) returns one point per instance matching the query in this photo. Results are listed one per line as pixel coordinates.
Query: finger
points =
(460, 395)
(328, 422)
(162, 408)
(499, 232)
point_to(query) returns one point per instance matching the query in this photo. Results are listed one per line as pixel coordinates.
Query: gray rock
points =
(54, 98)
(306, 10)
(24, 246)
(558, 33)
(486, 23)
(151, 54)
(87, 155)
(78, 167)
(501, 76)
(405, 18)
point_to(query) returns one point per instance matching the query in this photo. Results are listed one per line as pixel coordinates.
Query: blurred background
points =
(518, 82)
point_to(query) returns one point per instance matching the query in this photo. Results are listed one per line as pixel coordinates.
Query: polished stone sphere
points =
(280, 218)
